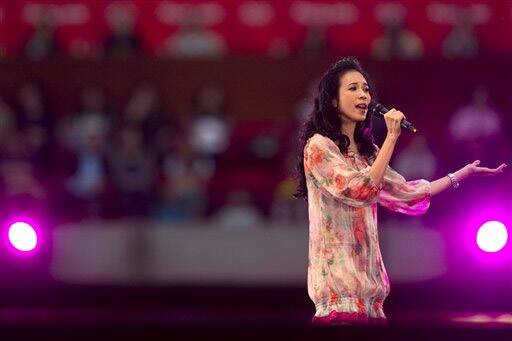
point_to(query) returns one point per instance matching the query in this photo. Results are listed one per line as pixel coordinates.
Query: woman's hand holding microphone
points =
(393, 119)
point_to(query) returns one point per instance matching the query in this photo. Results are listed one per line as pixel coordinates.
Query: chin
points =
(358, 116)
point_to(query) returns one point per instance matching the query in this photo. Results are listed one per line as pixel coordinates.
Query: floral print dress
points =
(347, 280)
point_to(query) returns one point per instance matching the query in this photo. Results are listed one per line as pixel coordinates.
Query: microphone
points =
(378, 109)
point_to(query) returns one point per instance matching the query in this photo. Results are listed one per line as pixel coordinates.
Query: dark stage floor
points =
(136, 323)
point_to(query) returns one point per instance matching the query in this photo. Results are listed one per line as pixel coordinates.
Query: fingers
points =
(486, 170)
(395, 115)
(393, 120)
(501, 167)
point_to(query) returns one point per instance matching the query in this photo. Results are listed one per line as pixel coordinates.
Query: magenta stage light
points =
(492, 236)
(22, 236)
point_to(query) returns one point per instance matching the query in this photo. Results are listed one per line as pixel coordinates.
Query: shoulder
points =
(320, 141)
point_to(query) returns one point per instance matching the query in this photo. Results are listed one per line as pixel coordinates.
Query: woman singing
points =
(343, 176)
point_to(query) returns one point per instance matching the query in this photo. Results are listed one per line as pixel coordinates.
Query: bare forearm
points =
(439, 185)
(444, 183)
(382, 161)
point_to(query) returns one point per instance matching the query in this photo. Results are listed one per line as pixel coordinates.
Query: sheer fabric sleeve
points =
(329, 171)
(399, 195)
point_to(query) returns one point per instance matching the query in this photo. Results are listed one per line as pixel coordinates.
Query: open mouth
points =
(363, 107)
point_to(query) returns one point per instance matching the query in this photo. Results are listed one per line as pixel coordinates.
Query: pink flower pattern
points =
(347, 280)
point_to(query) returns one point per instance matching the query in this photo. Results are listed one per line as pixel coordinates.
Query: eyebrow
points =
(357, 83)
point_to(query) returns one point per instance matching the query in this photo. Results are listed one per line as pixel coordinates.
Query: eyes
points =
(354, 88)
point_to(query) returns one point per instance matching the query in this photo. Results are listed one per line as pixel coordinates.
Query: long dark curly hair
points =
(325, 119)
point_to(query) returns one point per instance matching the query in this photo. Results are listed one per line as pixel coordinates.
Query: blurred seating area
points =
(185, 111)
(410, 30)
(78, 151)
(217, 140)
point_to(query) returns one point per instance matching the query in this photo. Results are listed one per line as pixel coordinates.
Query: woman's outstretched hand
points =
(475, 169)
(470, 169)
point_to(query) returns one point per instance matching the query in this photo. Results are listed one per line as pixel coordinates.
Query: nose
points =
(363, 94)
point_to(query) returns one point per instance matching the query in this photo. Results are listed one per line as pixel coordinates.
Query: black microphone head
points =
(376, 108)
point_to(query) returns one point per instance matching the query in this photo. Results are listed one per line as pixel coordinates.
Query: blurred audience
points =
(144, 161)
(194, 40)
(476, 129)
(477, 120)
(21, 186)
(210, 129)
(397, 42)
(42, 42)
(461, 42)
(239, 211)
(8, 120)
(182, 196)
(92, 116)
(190, 31)
(146, 111)
(417, 161)
(87, 185)
(305, 106)
(32, 107)
(36, 124)
(132, 170)
(315, 42)
(285, 209)
(122, 40)
(279, 48)
(82, 139)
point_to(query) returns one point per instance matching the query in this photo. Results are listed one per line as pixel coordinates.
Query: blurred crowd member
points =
(476, 120)
(88, 183)
(210, 130)
(315, 42)
(32, 107)
(417, 161)
(278, 48)
(83, 143)
(3, 51)
(22, 191)
(194, 40)
(122, 40)
(305, 106)
(476, 128)
(302, 110)
(133, 172)
(145, 110)
(91, 115)
(285, 209)
(239, 211)
(182, 195)
(461, 42)
(397, 42)
(265, 145)
(36, 124)
(42, 42)
(8, 120)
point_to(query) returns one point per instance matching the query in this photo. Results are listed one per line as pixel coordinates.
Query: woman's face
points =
(354, 97)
